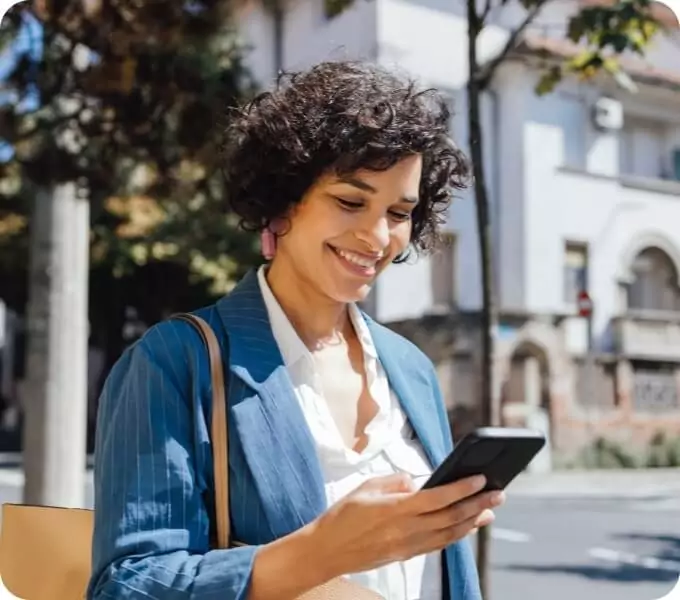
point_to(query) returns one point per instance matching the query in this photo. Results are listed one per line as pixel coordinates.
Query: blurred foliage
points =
(662, 451)
(604, 453)
(601, 32)
(605, 32)
(132, 98)
(334, 7)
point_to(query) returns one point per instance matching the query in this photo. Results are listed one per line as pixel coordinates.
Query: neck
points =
(317, 319)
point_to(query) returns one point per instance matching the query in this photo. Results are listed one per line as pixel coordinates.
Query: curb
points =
(653, 484)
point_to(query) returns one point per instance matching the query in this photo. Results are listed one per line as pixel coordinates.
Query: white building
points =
(577, 199)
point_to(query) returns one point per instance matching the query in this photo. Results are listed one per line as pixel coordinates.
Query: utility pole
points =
(55, 401)
(585, 310)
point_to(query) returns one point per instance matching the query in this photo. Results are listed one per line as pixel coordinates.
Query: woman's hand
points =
(382, 521)
(387, 520)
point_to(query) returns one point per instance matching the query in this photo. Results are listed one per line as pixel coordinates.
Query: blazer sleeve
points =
(151, 536)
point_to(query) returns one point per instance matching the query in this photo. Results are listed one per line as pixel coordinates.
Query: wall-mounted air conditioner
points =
(608, 114)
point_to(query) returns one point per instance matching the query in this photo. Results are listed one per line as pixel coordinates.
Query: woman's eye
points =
(348, 204)
(400, 216)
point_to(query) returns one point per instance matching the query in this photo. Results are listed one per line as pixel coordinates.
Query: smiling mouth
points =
(357, 263)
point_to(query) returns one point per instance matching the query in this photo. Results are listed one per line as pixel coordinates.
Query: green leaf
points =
(334, 8)
(549, 80)
(618, 41)
(167, 73)
(583, 60)
(576, 28)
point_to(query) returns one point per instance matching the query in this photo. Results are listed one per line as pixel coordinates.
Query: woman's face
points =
(346, 230)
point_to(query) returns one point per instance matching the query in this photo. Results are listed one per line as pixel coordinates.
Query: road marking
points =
(509, 535)
(647, 562)
(671, 504)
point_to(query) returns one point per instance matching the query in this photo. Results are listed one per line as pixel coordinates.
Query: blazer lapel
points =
(276, 441)
(418, 402)
(413, 390)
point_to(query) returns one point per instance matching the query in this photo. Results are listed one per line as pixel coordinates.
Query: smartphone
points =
(498, 453)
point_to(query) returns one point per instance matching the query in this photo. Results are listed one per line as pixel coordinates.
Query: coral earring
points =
(268, 243)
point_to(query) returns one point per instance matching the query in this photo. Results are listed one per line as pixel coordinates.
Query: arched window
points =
(655, 282)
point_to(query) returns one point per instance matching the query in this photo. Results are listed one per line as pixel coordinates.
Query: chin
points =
(351, 293)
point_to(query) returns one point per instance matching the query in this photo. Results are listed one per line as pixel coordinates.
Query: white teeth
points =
(357, 259)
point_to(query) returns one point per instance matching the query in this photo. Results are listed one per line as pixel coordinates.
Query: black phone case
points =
(498, 453)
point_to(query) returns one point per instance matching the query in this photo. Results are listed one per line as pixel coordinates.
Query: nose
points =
(376, 233)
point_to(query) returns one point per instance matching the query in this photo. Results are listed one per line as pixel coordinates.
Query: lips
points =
(357, 263)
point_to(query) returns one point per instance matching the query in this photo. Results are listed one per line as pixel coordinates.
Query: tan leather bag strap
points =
(218, 426)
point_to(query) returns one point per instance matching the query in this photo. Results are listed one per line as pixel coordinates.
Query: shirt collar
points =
(292, 348)
(362, 331)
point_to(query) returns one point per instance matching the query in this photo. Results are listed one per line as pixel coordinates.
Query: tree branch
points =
(485, 74)
(485, 13)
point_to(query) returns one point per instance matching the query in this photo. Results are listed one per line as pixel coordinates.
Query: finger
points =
(398, 483)
(446, 537)
(486, 517)
(462, 511)
(426, 541)
(435, 499)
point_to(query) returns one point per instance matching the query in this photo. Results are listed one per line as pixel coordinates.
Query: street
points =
(571, 537)
(589, 549)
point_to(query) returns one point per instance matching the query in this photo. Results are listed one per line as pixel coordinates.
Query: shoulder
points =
(168, 346)
(172, 335)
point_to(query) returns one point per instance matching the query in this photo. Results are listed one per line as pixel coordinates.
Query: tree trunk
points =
(55, 401)
(278, 25)
(489, 412)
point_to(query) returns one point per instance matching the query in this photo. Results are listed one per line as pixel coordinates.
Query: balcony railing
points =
(648, 334)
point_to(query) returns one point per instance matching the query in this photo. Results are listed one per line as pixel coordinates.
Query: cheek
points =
(322, 224)
(401, 236)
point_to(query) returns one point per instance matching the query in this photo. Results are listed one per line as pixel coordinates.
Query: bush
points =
(664, 451)
(607, 454)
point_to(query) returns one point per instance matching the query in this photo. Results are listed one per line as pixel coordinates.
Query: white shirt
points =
(391, 447)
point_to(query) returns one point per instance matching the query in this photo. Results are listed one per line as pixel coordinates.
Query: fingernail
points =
(485, 518)
(497, 498)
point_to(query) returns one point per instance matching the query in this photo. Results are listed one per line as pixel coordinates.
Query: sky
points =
(27, 44)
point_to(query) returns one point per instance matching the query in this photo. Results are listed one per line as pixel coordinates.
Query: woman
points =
(335, 421)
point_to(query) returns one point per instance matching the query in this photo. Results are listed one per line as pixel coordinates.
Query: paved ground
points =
(576, 536)
(585, 550)
(572, 536)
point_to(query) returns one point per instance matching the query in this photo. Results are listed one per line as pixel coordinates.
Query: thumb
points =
(399, 483)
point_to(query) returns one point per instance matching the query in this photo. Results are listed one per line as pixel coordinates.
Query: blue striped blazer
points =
(153, 465)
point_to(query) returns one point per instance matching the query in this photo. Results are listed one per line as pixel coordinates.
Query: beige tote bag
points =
(45, 551)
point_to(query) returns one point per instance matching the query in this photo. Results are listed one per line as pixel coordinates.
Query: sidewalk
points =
(12, 475)
(618, 483)
(12, 460)
(596, 484)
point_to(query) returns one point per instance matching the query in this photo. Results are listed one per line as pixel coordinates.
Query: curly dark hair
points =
(339, 117)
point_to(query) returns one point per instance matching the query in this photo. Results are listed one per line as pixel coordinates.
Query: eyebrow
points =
(366, 187)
